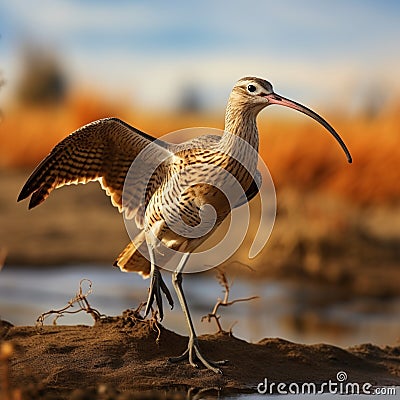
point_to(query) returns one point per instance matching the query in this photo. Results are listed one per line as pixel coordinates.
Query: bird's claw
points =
(157, 285)
(193, 353)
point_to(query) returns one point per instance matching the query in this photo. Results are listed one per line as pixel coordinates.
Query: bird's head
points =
(255, 94)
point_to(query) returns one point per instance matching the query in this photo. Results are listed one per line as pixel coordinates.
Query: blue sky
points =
(312, 51)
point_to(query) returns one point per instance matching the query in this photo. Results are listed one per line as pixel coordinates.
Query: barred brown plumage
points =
(167, 204)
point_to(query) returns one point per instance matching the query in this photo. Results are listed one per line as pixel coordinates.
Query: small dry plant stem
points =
(223, 281)
(154, 324)
(80, 299)
(153, 321)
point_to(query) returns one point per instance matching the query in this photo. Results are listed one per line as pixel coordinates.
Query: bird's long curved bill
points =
(282, 101)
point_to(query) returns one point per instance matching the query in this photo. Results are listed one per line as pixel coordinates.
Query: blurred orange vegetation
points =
(298, 151)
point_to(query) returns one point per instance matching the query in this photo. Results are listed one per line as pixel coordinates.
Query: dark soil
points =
(125, 357)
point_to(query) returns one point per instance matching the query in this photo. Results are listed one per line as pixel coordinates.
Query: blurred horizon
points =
(155, 55)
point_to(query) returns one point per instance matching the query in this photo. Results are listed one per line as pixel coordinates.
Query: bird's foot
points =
(193, 353)
(157, 285)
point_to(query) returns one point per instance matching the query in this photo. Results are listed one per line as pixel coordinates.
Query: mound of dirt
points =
(125, 357)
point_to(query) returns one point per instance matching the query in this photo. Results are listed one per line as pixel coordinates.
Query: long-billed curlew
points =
(105, 149)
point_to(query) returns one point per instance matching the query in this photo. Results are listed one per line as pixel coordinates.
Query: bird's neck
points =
(240, 139)
(240, 121)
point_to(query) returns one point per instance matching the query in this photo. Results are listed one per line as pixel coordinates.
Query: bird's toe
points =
(193, 353)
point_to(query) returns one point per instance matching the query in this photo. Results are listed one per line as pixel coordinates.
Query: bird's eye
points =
(251, 88)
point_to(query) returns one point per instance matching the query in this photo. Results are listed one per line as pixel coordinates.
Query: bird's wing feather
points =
(252, 191)
(100, 151)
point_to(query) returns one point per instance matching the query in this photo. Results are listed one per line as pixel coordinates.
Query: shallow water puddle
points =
(293, 311)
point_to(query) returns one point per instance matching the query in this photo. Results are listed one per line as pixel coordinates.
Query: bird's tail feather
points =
(133, 257)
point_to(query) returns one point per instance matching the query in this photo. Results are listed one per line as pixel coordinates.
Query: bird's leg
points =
(192, 352)
(156, 285)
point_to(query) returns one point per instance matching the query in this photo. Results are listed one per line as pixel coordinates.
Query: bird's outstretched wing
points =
(100, 151)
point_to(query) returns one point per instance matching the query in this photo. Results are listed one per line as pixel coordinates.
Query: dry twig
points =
(131, 317)
(223, 281)
(154, 324)
(80, 299)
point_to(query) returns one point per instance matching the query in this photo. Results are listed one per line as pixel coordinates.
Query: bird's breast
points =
(196, 196)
